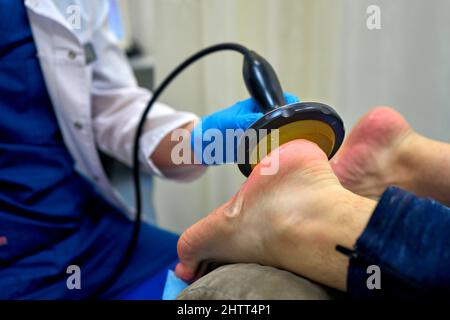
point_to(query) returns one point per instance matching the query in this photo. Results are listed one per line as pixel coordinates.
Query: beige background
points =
(322, 51)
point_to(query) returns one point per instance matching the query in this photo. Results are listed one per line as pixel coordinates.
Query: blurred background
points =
(322, 51)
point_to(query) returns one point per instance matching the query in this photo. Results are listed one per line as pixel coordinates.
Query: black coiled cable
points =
(136, 147)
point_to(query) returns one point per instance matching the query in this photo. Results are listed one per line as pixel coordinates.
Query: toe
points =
(183, 272)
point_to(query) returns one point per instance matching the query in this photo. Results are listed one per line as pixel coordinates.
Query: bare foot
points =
(368, 161)
(279, 220)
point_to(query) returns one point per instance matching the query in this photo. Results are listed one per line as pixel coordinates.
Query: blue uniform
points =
(50, 216)
(408, 238)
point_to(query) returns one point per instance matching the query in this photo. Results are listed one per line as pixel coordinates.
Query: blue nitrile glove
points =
(209, 137)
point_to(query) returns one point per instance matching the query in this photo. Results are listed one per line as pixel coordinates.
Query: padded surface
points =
(253, 281)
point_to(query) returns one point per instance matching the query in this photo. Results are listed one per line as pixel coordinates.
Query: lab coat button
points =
(72, 55)
(78, 125)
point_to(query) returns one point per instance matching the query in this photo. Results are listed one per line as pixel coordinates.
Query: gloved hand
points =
(210, 135)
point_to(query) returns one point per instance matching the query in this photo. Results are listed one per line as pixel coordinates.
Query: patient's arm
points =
(292, 220)
(382, 150)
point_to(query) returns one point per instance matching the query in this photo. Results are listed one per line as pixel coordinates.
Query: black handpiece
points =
(262, 82)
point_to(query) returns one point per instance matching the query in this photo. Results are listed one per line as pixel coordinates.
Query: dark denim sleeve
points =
(408, 238)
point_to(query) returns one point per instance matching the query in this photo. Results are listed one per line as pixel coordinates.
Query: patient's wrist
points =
(340, 220)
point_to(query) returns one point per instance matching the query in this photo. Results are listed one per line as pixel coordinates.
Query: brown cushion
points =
(253, 281)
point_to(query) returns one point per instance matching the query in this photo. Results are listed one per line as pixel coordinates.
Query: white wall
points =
(322, 51)
(406, 64)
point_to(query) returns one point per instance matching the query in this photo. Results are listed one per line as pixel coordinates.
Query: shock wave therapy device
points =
(312, 121)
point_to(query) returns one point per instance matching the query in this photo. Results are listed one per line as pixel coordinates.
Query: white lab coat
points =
(97, 104)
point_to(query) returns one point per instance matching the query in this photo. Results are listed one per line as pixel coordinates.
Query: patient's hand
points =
(292, 220)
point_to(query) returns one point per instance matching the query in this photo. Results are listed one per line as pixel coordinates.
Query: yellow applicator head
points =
(312, 121)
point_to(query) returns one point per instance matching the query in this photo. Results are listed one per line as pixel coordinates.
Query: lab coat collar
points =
(48, 9)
